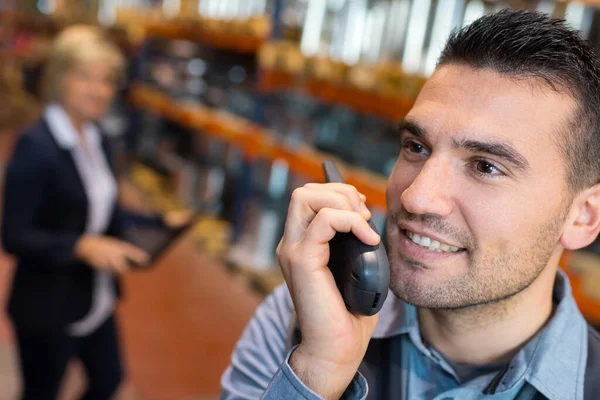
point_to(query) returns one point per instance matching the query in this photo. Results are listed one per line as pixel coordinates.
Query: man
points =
(497, 175)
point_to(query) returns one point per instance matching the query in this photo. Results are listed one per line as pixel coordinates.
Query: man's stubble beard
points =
(490, 278)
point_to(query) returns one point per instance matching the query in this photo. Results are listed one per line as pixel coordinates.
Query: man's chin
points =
(422, 299)
(427, 288)
(446, 295)
(425, 274)
(412, 291)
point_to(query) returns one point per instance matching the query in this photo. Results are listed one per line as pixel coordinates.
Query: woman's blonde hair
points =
(78, 44)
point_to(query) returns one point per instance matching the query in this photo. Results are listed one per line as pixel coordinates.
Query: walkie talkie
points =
(361, 272)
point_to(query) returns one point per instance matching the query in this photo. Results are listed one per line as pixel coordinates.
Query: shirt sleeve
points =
(286, 385)
(259, 366)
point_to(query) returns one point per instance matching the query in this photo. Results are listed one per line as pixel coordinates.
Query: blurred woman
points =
(61, 220)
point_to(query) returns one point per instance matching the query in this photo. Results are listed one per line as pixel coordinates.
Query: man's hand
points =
(334, 341)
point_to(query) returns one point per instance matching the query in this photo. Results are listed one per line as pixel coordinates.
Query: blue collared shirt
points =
(551, 364)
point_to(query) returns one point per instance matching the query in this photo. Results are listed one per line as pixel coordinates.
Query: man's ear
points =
(583, 222)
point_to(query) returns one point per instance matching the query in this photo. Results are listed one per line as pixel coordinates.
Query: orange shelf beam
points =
(232, 41)
(589, 307)
(389, 107)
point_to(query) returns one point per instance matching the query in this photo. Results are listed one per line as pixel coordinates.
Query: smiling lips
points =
(430, 244)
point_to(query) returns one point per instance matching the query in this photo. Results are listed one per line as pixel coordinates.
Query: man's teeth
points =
(429, 244)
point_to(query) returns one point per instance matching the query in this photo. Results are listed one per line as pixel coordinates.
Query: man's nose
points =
(430, 192)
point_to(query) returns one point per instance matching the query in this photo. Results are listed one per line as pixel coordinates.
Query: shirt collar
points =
(553, 361)
(556, 358)
(64, 132)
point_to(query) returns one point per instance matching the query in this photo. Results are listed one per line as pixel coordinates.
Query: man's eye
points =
(486, 169)
(413, 147)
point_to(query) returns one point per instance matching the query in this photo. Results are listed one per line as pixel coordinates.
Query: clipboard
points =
(156, 241)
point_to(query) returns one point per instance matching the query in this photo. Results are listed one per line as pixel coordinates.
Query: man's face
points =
(481, 177)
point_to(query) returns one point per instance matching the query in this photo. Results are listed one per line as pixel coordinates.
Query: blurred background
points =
(227, 107)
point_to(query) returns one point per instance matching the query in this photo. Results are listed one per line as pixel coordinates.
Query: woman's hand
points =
(106, 253)
(178, 218)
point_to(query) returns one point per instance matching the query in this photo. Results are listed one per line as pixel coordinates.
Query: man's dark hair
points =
(532, 46)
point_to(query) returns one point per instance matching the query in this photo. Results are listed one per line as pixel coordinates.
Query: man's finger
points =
(330, 221)
(356, 198)
(306, 203)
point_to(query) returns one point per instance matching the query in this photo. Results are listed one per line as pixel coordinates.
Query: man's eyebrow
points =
(491, 147)
(494, 148)
(413, 128)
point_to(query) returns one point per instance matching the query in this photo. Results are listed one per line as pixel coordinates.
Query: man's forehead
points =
(463, 102)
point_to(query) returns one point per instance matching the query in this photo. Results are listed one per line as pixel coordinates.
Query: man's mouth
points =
(431, 244)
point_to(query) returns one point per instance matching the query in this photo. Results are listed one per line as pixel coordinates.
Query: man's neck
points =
(491, 333)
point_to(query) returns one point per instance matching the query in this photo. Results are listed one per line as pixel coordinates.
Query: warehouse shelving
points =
(255, 140)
